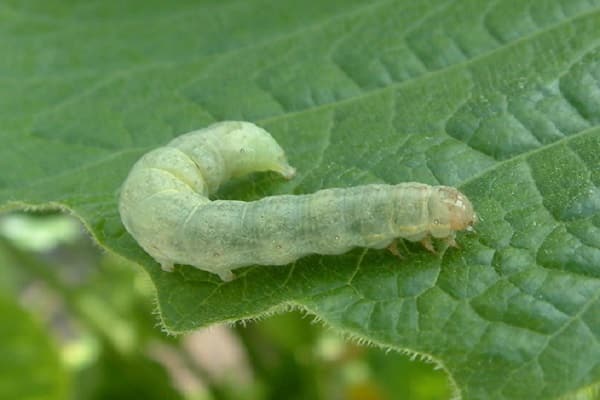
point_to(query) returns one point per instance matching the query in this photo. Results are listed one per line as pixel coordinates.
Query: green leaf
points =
(31, 367)
(499, 99)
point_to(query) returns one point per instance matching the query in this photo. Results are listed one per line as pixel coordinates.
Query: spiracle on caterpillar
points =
(164, 204)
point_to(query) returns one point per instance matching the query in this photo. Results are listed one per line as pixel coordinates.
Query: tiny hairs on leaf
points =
(164, 204)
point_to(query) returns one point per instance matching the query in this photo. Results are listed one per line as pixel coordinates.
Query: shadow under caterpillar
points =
(164, 204)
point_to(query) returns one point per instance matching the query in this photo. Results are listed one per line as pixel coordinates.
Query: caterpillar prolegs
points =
(164, 205)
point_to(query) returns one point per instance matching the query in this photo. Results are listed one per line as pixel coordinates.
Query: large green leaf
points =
(500, 99)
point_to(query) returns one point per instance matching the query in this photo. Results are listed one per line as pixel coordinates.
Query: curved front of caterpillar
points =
(164, 204)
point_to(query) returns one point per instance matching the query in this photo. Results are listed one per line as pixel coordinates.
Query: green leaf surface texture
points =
(500, 99)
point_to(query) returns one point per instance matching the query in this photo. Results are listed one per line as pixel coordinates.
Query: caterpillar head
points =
(451, 210)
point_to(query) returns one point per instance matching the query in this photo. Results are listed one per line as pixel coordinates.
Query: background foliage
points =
(501, 99)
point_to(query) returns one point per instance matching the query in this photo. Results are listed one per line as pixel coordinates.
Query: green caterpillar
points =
(164, 205)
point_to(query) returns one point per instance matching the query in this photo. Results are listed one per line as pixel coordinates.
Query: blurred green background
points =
(80, 324)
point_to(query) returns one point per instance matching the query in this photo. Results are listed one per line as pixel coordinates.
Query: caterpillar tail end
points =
(286, 170)
(226, 276)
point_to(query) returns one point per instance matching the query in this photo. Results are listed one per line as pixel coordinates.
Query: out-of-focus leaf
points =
(31, 367)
